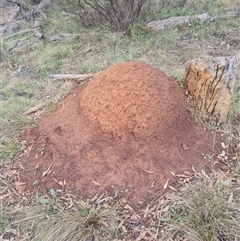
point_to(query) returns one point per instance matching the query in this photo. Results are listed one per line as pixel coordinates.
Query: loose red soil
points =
(127, 130)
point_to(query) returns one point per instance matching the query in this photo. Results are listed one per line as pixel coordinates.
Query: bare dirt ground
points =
(126, 130)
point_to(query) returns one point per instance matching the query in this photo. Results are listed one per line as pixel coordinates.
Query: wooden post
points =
(211, 84)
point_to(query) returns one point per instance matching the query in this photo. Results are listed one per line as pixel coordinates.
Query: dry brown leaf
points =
(124, 229)
(153, 209)
(16, 209)
(230, 199)
(19, 183)
(150, 172)
(172, 188)
(182, 175)
(127, 206)
(150, 233)
(185, 147)
(141, 236)
(34, 109)
(94, 198)
(223, 145)
(61, 183)
(152, 184)
(135, 218)
(166, 209)
(105, 223)
(121, 224)
(9, 173)
(146, 211)
(55, 180)
(159, 214)
(4, 196)
(173, 173)
(166, 184)
(47, 171)
(160, 203)
(96, 183)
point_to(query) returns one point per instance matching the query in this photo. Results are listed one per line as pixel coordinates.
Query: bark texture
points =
(211, 85)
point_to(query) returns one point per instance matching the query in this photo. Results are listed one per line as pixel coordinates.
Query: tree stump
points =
(211, 85)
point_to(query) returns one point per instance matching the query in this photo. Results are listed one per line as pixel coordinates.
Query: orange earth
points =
(126, 130)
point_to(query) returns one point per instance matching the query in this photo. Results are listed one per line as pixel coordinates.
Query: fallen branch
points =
(78, 78)
(34, 109)
(19, 33)
(15, 43)
(9, 27)
(176, 21)
(18, 10)
(68, 36)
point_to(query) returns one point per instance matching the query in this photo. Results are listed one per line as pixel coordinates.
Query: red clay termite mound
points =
(134, 98)
(126, 130)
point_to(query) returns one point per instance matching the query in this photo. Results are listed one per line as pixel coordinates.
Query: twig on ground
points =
(78, 78)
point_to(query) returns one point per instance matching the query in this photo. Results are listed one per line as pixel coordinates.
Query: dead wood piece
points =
(43, 5)
(176, 21)
(34, 109)
(19, 33)
(9, 27)
(78, 78)
(14, 44)
(37, 30)
(68, 36)
(18, 11)
(211, 84)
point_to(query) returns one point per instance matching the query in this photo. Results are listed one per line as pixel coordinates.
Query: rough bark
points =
(211, 85)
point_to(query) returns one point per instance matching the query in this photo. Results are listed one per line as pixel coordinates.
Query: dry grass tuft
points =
(90, 222)
(207, 211)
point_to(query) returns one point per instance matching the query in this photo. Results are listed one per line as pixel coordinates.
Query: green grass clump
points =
(52, 222)
(206, 212)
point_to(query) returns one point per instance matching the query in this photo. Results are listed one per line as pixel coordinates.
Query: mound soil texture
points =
(126, 130)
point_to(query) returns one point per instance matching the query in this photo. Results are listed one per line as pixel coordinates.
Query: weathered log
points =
(211, 85)
(176, 21)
